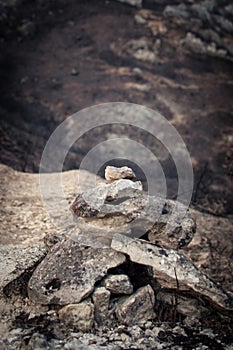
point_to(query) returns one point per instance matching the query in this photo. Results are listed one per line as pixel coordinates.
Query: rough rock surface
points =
(101, 297)
(113, 173)
(78, 316)
(68, 273)
(173, 271)
(124, 206)
(32, 326)
(16, 260)
(138, 307)
(118, 284)
(210, 24)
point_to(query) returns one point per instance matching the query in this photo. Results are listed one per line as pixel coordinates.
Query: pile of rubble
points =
(208, 24)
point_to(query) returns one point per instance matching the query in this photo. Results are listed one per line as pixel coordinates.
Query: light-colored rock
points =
(173, 270)
(137, 3)
(123, 206)
(113, 173)
(177, 11)
(101, 298)
(89, 203)
(78, 316)
(118, 284)
(139, 19)
(196, 45)
(69, 272)
(137, 307)
(141, 49)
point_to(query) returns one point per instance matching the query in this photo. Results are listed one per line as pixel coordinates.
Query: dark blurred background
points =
(58, 57)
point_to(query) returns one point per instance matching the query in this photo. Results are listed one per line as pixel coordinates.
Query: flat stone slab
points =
(16, 259)
(69, 272)
(174, 271)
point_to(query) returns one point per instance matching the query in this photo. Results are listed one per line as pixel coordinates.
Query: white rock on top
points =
(113, 173)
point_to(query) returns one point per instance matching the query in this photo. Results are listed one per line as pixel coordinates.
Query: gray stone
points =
(224, 23)
(173, 270)
(123, 206)
(16, 259)
(37, 342)
(78, 316)
(177, 11)
(208, 4)
(137, 3)
(210, 36)
(89, 203)
(137, 307)
(101, 298)
(201, 12)
(95, 235)
(118, 284)
(69, 272)
(27, 28)
(229, 9)
(198, 46)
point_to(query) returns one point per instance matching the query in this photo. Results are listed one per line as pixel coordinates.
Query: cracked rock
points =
(174, 271)
(69, 272)
(138, 307)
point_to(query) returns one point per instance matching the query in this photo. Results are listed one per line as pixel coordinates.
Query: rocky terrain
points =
(86, 291)
(101, 284)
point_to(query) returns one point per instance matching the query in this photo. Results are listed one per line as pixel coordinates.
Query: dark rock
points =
(138, 307)
(78, 316)
(137, 3)
(186, 306)
(101, 298)
(224, 23)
